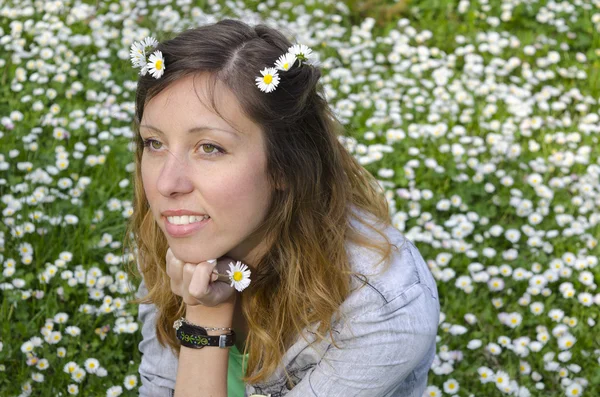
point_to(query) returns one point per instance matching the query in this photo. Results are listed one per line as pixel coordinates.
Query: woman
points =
(339, 303)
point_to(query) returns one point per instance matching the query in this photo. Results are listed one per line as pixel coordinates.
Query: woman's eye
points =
(208, 149)
(150, 143)
(214, 149)
(205, 145)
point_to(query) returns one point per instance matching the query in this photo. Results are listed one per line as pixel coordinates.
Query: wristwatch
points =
(196, 337)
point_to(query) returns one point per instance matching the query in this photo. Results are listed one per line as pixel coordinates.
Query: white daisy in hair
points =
(144, 69)
(137, 54)
(285, 61)
(239, 274)
(269, 81)
(150, 42)
(303, 53)
(156, 64)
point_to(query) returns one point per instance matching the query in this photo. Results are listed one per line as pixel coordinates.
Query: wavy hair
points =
(305, 275)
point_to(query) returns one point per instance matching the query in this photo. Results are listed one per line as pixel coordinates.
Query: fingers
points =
(196, 283)
(197, 278)
(174, 267)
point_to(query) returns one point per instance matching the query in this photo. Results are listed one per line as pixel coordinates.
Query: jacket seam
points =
(405, 247)
(433, 295)
(375, 289)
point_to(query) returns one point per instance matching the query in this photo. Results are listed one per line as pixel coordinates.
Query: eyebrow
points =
(195, 129)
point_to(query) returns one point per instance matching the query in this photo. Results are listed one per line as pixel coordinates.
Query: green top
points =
(235, 386)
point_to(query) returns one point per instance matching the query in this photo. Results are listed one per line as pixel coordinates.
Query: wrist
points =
(220, 315)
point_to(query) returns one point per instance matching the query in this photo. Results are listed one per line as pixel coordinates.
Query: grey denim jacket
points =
(388, 340)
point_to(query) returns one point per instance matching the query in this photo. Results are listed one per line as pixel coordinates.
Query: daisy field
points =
(480, 119)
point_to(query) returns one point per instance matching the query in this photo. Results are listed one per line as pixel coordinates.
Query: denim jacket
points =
(388, 338)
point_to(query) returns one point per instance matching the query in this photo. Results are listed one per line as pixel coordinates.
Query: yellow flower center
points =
(237, 276)
(286, 65)
(268, 78)
(159, 65)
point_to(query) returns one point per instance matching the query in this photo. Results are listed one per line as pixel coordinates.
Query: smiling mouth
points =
(186, 219)
(185, 229)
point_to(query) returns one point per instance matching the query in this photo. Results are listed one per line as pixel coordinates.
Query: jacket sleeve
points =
(158, 368)
(386, 352)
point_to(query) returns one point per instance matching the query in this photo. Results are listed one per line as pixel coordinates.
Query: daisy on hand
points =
(239, 274)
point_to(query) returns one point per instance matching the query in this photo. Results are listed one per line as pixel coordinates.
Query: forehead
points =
(186, 103)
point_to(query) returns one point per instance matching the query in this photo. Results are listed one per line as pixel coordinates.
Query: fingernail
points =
(211, 261)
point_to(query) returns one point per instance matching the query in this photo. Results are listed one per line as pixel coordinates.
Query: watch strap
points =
(196, 337)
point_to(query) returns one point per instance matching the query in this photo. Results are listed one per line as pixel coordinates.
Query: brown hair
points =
(305, 275)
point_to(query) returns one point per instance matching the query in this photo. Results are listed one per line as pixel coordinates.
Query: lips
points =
(184, 230)
(181, 212)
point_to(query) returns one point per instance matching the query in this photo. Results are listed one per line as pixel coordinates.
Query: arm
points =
(203, 372)
(382, 352)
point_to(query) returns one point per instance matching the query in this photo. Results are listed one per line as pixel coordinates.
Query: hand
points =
(196, 283)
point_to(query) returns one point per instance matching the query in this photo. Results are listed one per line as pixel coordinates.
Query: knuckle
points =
(188, 269)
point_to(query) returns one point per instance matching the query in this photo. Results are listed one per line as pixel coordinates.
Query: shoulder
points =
(406, 276)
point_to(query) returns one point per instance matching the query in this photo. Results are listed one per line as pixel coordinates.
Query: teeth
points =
(186, 219)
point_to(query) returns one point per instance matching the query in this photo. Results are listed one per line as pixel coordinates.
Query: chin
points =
(191, 254)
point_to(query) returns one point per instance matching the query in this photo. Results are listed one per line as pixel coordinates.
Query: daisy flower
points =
(285, 62)
(91, 365)
(149, 42)
(137, 54)
(239, 274)
(138, 51)
(303, 53)
(269, 81)
(78, 375)
(70, 367)
(73, 389)
(156, 64)
(114, 391)
(130, 382)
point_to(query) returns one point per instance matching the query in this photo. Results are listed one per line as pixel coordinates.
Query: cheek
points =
(148, 182)
(243, 190)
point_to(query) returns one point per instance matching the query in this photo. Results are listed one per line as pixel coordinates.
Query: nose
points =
(173, 178)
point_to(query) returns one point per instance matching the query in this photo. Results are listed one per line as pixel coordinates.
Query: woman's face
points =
(218, 170)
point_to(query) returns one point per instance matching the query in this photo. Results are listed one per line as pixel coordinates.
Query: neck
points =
(240, 325)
